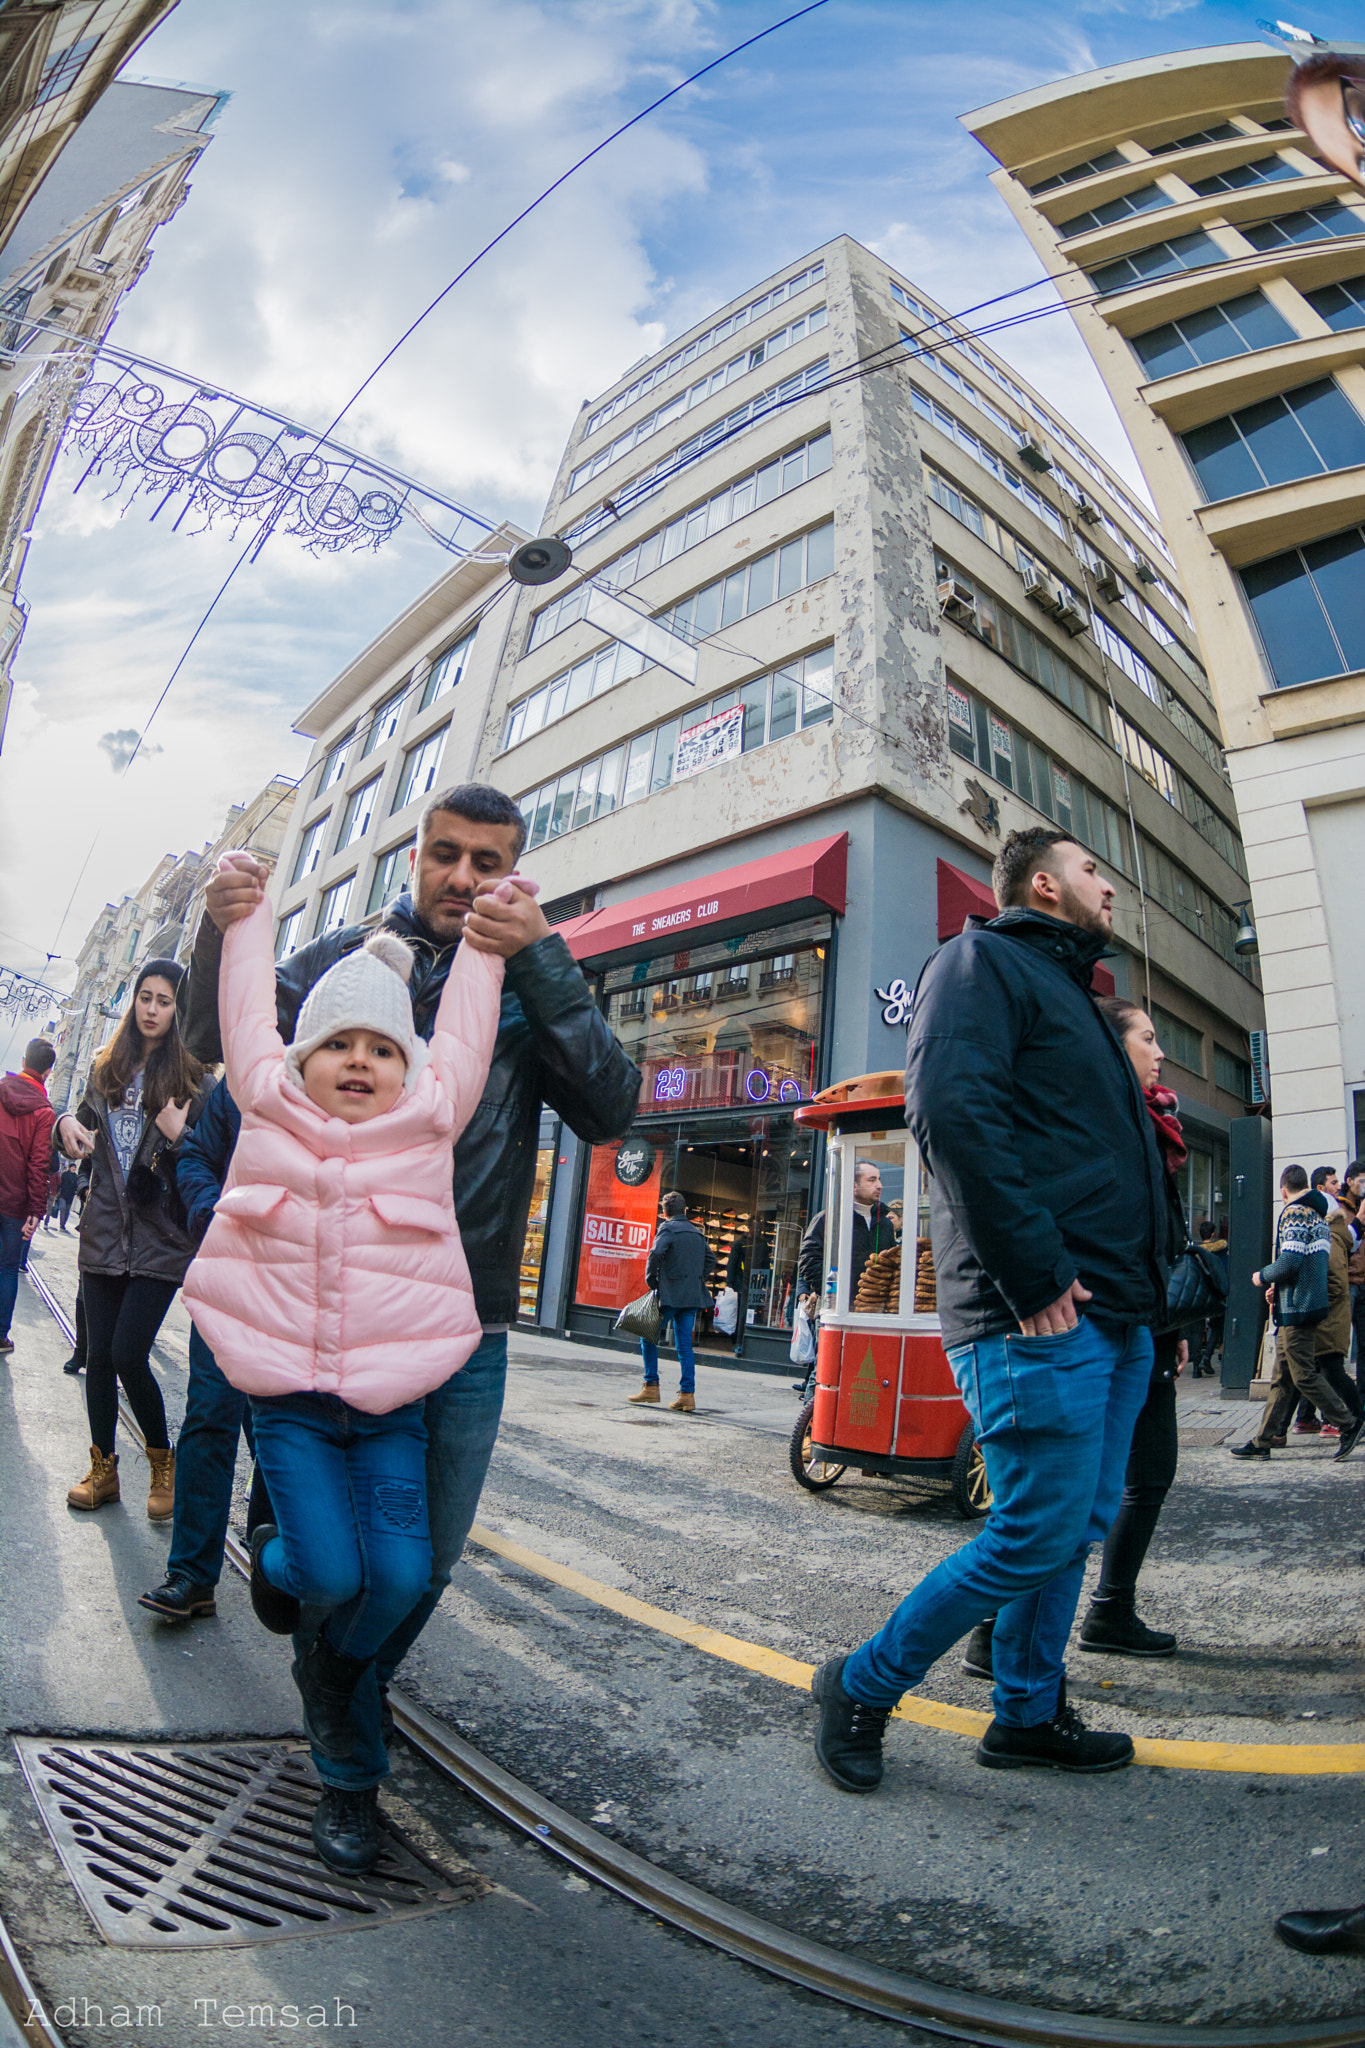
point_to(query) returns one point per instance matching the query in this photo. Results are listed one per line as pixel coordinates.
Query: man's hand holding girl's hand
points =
(506, 918)
(236, 889)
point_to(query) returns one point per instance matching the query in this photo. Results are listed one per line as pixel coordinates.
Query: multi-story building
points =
(155, 922)
(1216, 271)
(83, 241)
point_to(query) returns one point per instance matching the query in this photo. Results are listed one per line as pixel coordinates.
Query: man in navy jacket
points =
(206, 1453)
(1048, 1218)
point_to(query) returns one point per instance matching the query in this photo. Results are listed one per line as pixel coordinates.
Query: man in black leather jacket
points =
(553, 1047)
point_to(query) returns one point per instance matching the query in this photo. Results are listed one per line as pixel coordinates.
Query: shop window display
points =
(533, 1250)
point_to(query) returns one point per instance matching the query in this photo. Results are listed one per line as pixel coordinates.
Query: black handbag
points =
(1197, 1288)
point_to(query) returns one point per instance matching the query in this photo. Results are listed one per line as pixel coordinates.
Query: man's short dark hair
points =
(40, 1056)
(1294, 1179)
(481, 804)
(674, 1205)
(1019, 860)
(1321, 1175)
(1356, 1166)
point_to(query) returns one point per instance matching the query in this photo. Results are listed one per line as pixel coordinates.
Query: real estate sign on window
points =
(714, 740)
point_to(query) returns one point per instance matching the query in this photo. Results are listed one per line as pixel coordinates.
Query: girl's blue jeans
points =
(349, 1494)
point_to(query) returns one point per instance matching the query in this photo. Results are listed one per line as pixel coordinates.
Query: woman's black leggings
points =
(122, 1317)
(1151, 1468)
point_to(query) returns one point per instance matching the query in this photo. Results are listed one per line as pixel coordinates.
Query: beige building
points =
(1216, 271)
(82, 242)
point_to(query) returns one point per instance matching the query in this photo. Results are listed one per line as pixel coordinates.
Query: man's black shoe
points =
(1341, 1933)
(1350, 1438)
(978, 1659)
(1252, 1448)
(848, 1741)
(179, 1599)
(277, 1611)
(1061, 1744)
(1117, 1628)
(346, 1829)
(326, 1679)
(74, 1365)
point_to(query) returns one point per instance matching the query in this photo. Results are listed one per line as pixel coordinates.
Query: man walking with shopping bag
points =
(679, 1265)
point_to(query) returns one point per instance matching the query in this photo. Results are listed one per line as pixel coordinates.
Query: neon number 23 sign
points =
(671, 1084)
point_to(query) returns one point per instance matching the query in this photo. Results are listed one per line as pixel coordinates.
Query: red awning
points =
(962, 896)
(805, 879)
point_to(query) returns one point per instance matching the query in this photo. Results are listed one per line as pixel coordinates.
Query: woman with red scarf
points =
(1112, 1622)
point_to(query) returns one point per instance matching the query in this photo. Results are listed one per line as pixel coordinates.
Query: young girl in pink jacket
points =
(332, 1287)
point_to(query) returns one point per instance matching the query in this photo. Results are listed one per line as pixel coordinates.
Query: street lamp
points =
(1245, 941)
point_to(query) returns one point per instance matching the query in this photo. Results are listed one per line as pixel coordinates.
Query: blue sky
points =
(370, 146)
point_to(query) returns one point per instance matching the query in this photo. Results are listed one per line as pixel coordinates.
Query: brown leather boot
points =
(100, 1484)
(161, 1493)
(649, 1394)
(684, 1405)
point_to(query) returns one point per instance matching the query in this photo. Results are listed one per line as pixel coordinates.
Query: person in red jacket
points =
(26, 1121)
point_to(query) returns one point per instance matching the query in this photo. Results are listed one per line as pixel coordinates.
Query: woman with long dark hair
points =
(143, 1089)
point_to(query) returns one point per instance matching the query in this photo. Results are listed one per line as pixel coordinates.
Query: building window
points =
(978, 735)
(355, 819)
(736, 501)
(947, 423)
(290, 934)
(1147, 199)
(385, 722)
(1310, 606)
(798, 695)
(310, 849)
(654, 422)
(1178, 1040)
(1232, 1073)
(63, 68)
(702, 343)
(1295, 434)
(447, 670)
(1185, 252)
(1236, 327)
(1224, 132)
(420, 764)
(1265, 170)
(1340, 305)
(1111, 160)
(334, 767)
(1314, 224)
(333, 907)
(390, 876)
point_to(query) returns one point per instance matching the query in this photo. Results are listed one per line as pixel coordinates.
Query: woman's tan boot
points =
(161, 1493)
(100, 1484)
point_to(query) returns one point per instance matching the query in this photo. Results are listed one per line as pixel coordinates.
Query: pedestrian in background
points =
(1296, 1287)
(145, 1088)
(1332, 1338)
(67, 1184)
(1351, 1196)
(1213, 1239)
(26, 1126)
(679, 1268)
(1048, 1213)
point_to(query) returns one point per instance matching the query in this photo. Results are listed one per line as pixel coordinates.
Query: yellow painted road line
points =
(1273, 1759)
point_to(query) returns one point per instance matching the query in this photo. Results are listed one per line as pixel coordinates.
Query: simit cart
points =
(885, 1400)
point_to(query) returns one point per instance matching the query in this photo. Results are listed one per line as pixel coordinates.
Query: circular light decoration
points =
(790, 1091)
(539, 561)
(757, 1086)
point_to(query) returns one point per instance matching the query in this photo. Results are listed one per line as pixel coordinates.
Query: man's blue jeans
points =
(1054, 1417)
(205, 1463)
(682, 1320)
(462, 1426)
(13, 1245)
(350, 1491)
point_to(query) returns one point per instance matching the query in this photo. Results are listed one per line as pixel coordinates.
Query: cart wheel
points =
(972, 1496)
(813, 1474)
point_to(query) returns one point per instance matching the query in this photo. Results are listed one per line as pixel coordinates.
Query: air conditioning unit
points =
(1033, 455)
(1043, 593)
(1109, 587)
(1072, 615)
(957, 601)
(1089, 512)
(1146, 573)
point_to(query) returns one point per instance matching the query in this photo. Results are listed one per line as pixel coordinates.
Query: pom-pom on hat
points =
(366, 991)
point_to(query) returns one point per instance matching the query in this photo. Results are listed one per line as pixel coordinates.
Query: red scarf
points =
(1161, 1107)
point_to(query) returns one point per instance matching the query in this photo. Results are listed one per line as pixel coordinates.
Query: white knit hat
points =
(367, 991)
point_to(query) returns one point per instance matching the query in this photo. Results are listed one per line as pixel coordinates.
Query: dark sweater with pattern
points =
(1298, 1272)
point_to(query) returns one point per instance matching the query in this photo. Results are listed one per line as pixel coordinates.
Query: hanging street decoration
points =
(22, 996)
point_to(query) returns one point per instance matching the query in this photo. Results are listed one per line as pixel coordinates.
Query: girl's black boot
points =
(326, 1679)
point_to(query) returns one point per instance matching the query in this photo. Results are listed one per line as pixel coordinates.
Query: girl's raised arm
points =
(466, 1029)
(246, 1002)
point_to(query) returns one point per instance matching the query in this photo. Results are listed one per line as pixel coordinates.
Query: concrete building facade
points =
(1216, 271)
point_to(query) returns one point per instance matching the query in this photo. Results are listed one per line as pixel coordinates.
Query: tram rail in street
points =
(810, 1965)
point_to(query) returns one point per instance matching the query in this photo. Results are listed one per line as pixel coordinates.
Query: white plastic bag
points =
(803, 1338)
(726, 1317)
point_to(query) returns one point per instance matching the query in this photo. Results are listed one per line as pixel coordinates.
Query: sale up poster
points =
(619, 1223)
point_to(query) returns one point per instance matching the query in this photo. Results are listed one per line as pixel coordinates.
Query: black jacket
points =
(878, 1235)
(1029, 1116)
(679, 1265)
(147, 1239)
(204, 1157)
(553, 1047)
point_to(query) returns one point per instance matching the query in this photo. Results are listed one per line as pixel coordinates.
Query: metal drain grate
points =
(208, 1846)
